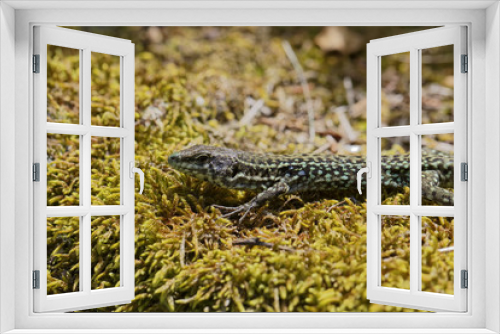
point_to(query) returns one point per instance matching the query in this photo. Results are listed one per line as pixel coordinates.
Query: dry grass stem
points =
(183, 250)
(305, 87)
(252, 113)
(446, 249)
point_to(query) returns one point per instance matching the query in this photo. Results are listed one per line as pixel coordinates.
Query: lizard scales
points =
(274, 175)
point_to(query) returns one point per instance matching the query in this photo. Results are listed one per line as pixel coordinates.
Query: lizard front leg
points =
(279, 188)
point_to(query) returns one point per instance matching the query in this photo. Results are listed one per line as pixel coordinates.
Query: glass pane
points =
(63, 85)
(395, 239)
(437, 84)
(105, 161)
(437, 169)
(395, 170)
(105, 252)
(63, 170)
(105, 89)
(437, 254)
(63, 255)
(395, 109)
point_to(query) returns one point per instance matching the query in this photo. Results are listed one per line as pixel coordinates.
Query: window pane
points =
(105, 252)
(63, 170)
(395, 170)
(105, 89)
(63, 85)
(437, 254)
(63, 255)
(395, 239)
(437, 169)
(105, 162)
(437, 84)
(395, 107)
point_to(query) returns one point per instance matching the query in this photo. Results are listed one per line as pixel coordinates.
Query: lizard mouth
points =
(174, 159)
(178, 162)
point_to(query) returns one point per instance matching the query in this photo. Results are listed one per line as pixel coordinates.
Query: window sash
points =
(86, 43)
(414, 298)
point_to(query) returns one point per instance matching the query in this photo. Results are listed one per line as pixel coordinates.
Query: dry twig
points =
(330, 141)
(250, 114)
(336, 205)
(305, 87)
(349, 91)
(345, 124)
(258, 242)
(183, 250)
(446, 249)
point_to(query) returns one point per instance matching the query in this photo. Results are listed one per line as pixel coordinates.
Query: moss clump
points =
(105, 258)
(63, 254)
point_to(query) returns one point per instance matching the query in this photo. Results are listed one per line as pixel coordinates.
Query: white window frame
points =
(413, 43)
(483, 21)
(85, 43)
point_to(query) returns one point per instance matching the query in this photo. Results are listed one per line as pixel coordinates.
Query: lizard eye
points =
(202, 159)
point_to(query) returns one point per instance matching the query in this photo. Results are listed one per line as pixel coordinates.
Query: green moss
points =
(185, 256)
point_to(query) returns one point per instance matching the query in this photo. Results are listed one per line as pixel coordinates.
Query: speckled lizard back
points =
(278, 174)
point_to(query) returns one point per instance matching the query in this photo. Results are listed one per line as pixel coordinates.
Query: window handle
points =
(138, 171)
(368, 171)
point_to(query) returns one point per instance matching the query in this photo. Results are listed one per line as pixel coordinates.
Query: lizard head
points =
(207, 163)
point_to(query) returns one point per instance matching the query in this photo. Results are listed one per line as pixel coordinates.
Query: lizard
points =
(272, 175)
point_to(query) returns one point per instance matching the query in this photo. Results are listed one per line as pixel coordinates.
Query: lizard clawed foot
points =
(234, 210)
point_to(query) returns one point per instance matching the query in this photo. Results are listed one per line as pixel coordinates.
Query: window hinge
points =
(36, 279)
(36, 63)
(36, 172)
(464, 279)
(464, 171)
(465, 64)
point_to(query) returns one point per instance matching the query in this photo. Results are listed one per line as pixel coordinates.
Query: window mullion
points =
(85, 173)
(101, 131)
(85, 146)
(77, 129)
(127, 106)
(432, 129)
(373, 184)
(415, 178)
(85, 254)
(66, 129)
